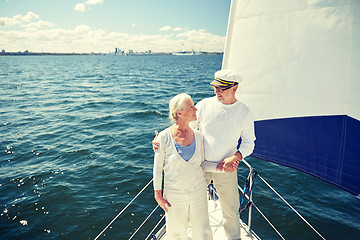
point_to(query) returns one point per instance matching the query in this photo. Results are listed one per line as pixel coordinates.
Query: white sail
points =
(301, 59)
(296, 57)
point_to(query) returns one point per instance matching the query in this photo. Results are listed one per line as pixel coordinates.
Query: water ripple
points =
(75, 147)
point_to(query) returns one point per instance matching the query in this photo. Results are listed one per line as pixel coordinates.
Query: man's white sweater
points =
(222, 126)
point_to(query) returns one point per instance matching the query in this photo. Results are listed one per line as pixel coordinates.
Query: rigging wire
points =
(122, 210)
(144, 222)
(291, 206)
(259, 212)
(247, 188)
(262, 214)
(268, 221)
(155, 227)
(245, 195)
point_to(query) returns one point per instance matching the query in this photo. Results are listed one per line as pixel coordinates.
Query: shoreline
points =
(46, 54)
(100, 54)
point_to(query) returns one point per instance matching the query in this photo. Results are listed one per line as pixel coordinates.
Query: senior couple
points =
(205, 142)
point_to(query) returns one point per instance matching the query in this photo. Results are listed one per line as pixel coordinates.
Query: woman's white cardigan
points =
(179, 175)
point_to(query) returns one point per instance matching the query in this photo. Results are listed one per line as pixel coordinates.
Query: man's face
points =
(224, 94)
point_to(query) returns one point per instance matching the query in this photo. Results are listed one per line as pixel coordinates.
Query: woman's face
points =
(189, 111)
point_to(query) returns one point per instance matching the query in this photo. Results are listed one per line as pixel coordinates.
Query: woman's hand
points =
(155, 143)
(163, 203)
(220, 166)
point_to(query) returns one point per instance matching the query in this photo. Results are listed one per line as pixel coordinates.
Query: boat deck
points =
(216, 224)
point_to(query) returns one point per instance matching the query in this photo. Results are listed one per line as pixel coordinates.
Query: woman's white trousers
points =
(188, 207)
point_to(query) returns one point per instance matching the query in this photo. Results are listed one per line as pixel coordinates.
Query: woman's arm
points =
(163, 203)
(159, 159)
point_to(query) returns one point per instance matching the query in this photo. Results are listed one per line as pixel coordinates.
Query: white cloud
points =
(82, 7)
(39, 24)
(94, 2)
(200, 39)
(30, 21)
(18, 19)
(29, 32)
(133, 25)
(165, 28)
(178, 29)
(81, 29)
(196, 35)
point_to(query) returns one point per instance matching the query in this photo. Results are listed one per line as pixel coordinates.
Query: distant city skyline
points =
(103, 25)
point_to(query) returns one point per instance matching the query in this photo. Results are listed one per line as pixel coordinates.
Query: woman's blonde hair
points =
(177, 104)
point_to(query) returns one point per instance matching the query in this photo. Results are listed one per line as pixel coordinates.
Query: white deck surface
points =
(215, 215)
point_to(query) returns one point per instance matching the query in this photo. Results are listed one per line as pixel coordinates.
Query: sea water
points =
(75, 148)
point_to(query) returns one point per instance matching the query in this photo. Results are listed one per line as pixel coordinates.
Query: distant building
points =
(118, 51)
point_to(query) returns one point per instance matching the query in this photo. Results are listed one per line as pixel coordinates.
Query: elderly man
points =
(227, 127)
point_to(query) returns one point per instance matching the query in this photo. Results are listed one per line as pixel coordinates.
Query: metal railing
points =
(247, 193)
(251, 203)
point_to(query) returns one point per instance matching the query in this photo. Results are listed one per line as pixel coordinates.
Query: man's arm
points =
(247, 143)
(248, 137)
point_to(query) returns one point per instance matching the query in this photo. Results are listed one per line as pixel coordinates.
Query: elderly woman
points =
(180, 155)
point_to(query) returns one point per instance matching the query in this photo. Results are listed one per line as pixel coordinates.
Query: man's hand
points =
(231, 166)
(231, 163)
(163, 203)
(155, 143)
(228, 167)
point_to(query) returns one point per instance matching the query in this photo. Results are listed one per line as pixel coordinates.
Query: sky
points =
(100, 26)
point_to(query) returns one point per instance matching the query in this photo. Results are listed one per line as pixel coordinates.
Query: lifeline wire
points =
(155, 227)
(291, 207)
(143, 222)
(260, 213)
(268, 221)
(123, 210)
(263, 215)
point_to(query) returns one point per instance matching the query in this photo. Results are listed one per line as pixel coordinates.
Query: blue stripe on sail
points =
(327, 147)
